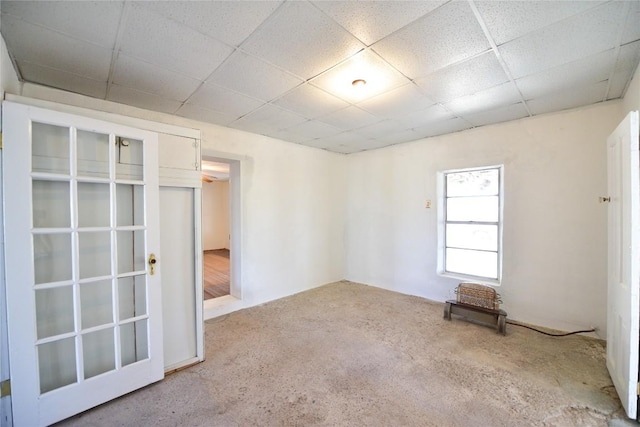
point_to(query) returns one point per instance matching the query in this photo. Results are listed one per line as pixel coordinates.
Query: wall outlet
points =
(427, 204)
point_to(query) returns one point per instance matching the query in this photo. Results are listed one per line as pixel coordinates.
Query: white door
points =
(84, 308)
(623, 269)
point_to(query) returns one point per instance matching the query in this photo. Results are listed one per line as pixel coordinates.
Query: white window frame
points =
(442, 222)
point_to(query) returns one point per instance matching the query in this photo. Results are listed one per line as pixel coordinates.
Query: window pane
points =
(473, 183)
(95, 254)
(134, 343)
(130, 203)
(473, 263)
(131, 251)
(50, 148)
(98, 352)
(57, 363)
(94, 205)
(132, 293)
(96, 303)
(472, 236)
(129, 159)
(54, 311)
(93, 154)
(473, 209)
(51, 206)
(51, 257)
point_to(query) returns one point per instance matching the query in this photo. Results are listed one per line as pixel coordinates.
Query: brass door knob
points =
(152, 264)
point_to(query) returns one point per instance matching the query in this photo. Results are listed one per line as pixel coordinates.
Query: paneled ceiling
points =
(285, 68)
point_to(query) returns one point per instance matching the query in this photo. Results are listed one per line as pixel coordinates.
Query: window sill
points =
(473, 279)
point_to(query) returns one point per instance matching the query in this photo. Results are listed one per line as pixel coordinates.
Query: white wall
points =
(215, 215)
(292, 203)
(8, 78)
(631, 99)
(554, 271)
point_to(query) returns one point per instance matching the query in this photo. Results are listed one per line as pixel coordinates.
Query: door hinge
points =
(5, 388)
(0, 140)
(638, 390)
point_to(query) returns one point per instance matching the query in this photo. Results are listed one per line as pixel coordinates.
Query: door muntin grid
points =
(89, 252)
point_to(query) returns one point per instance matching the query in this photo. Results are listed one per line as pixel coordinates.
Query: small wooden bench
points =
(480, 314)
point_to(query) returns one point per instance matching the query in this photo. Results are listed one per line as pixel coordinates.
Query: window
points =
(473, 223)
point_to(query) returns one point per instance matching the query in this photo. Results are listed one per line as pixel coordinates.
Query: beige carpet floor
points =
(352, 355)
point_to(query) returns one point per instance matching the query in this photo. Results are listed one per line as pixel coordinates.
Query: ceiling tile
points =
(310, 101)
(465, 78)
(41, 46)
(202, 114)
(576, 97)
(227, 21)
(367, 66)
(140, 99)
(313, 129)
(344, 138)
(400, 137)
(397, 102)
(344, 149)
(285, 135)
(632, 27)
(380, 129)
(449, 34)
(442, 127)
(627, 62)
(268, 118)
(320, 143)
(349, 118)
(220, 99)
(91, 21)
(63, 80)
(488, 99)
(302, 39)
(370, 21)
(584, 71)
(628, 57)
(251, 76)
(499, 115)
(153, 38)
(508, 20)
(133, 73)
(574, 38)
(435, 113)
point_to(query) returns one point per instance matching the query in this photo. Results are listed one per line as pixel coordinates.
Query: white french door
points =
(623, 309)
(81, 225)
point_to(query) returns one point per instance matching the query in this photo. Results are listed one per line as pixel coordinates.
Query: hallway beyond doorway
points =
(216, 273)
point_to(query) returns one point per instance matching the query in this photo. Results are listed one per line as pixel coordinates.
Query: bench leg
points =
(502, 324)
(447, 311)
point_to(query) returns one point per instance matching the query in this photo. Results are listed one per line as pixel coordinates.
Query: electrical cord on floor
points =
(550, 334)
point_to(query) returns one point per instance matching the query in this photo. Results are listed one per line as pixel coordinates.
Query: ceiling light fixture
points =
(359, 82)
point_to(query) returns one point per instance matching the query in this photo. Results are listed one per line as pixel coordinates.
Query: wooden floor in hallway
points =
(216, 273)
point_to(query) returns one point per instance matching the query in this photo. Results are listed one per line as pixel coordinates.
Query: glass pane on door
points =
(129, 159)
(96, 303)
(94, 201)
(98, 350)
(52, 257)
(51, 204)
(132, 293)
(57, 363)
(131, 251)
(50, 148)
(93, 154)
(55, 311)
(94, 251)
(134, 345)
(130, 200)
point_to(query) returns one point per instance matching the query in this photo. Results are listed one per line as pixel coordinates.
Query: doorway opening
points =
(216, 229)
